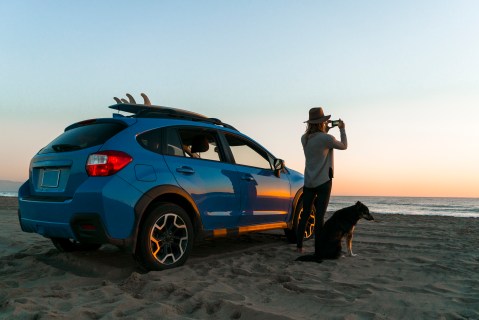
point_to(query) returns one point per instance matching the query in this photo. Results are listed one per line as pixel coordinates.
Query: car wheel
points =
(291, 234)
(69, 245)
(165, 238)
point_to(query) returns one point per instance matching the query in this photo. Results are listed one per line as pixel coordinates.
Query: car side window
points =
(199, 143)
(173, 143)
(150, 140)
(246, 153)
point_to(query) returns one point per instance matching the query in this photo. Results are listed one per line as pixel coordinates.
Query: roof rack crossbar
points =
(177, 115)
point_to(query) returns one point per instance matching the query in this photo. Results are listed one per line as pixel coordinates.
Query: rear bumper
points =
(85, 228)
(101, 211)
(47, 229)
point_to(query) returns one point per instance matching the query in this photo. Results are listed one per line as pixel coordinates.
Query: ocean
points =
(8, 194)
(453, 207)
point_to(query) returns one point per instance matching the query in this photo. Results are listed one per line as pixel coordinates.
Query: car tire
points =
(291, 234)
(165, 238)
(69, 245)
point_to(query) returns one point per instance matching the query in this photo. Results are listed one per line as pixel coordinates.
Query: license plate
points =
(50, 178)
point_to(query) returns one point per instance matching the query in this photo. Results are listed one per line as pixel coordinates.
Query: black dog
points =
(340, 226)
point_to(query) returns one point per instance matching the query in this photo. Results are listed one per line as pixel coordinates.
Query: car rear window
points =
(83, 135)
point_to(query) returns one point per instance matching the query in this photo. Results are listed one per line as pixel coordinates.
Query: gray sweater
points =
(318, 151)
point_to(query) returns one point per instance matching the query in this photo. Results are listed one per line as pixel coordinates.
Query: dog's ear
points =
(358, 204)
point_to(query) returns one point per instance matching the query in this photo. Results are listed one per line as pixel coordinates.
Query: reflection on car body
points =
(153, 182)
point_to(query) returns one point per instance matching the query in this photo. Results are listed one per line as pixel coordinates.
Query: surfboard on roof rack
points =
(147, 110)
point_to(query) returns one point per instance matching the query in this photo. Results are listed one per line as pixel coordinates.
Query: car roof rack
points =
(147, 110)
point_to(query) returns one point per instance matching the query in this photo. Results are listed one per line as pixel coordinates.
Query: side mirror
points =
(278, 167)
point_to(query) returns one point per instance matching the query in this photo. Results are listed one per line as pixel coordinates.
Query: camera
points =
(335, 123)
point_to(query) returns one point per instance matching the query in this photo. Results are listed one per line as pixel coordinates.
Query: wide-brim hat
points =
(316, 115)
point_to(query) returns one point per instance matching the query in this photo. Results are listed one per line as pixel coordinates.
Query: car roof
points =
(153, 111)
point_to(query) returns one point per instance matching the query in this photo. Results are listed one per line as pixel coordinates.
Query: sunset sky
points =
(403, 75)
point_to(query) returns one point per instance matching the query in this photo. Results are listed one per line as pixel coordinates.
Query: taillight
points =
(106, 163)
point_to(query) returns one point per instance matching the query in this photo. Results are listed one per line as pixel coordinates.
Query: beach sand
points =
(407, 267)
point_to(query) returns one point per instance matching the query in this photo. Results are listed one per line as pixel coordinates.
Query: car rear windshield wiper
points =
(65, 147)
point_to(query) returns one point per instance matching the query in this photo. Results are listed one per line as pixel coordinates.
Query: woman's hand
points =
(341, 124)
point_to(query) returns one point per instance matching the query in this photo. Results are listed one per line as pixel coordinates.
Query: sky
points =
(402, 75)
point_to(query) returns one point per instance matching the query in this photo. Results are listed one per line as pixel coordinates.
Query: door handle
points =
(186, 170)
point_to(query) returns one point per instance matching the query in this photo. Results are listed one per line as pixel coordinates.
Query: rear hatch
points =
(59, 168)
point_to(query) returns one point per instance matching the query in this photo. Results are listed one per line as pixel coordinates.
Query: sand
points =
(407, 267)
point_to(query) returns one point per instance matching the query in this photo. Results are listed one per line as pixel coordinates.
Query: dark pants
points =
(322, 194)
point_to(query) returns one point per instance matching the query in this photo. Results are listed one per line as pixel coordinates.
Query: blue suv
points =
(153, 182)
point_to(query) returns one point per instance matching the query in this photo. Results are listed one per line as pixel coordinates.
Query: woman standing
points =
(318, 148)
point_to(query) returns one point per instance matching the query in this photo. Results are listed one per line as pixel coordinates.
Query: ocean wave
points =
(8, 194)
(454, 207)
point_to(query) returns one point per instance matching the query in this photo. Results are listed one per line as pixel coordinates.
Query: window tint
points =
(200, 143)
(173, 143)
(150, 140)
(82, 136)
(246, 153)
